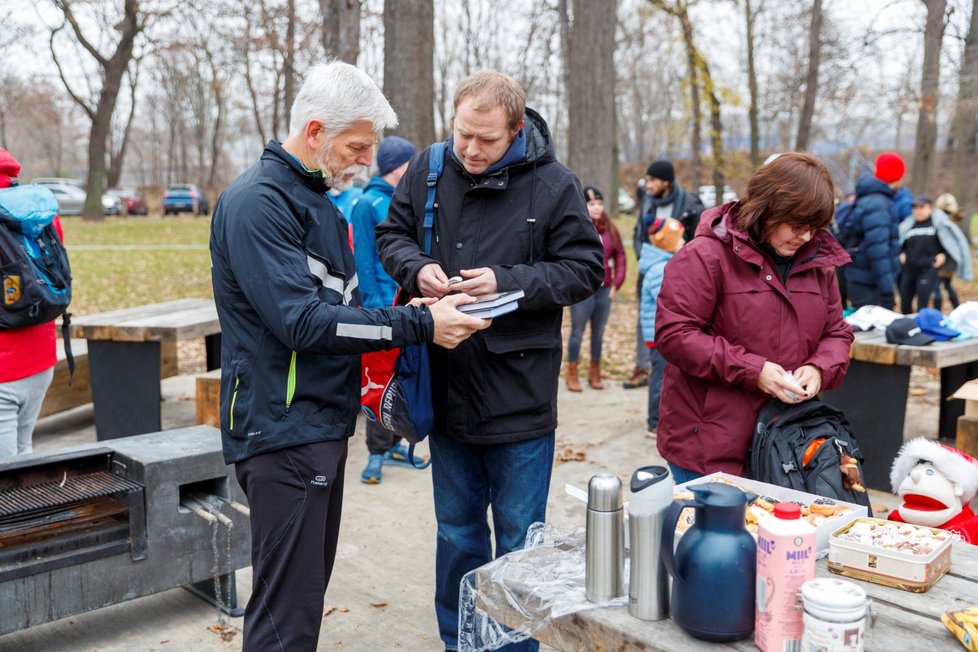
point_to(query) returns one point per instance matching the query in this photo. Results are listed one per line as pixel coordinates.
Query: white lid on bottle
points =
(834, 600)
(651, 490)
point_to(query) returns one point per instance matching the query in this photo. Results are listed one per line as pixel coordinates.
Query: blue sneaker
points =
(398, 456)
(371, 472)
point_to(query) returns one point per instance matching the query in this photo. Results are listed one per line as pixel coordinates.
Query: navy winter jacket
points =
(285, 284)
(873, 238)
(528, 221)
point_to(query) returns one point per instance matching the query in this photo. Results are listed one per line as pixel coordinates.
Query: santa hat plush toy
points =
(935, 484)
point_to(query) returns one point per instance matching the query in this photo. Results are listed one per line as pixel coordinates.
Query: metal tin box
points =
(901, 569)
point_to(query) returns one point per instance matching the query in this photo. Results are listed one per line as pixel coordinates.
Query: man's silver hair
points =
(338, 94)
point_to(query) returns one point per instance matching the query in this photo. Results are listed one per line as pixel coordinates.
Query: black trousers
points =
(379, 440)
(296, 498)
(919, 282)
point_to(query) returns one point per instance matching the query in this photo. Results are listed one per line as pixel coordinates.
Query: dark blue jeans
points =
(594, 309)
(468, 479)
(655, 386)
(681, 475)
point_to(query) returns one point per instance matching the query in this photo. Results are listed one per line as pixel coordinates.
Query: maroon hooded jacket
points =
(723, 311)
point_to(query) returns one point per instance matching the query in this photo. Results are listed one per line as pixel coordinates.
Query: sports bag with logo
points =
(395, 387)
(807, 446)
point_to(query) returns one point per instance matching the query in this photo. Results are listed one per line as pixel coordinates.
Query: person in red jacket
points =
(27, 359)
(749, 299)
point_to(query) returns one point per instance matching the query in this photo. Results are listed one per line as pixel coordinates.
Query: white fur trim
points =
(957, 469)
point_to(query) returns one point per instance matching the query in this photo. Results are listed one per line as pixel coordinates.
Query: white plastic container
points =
(785, 561)
(835, 615)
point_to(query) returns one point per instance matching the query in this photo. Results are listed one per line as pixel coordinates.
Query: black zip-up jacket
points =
(687, 208)
(529, 223)
(285, 284)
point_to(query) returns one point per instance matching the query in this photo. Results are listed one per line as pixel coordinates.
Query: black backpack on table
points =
(784, 433)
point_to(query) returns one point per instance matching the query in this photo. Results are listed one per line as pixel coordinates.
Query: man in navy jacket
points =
(285, 284)
(509, 217)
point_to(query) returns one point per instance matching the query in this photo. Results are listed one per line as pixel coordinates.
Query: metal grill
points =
(72, 489)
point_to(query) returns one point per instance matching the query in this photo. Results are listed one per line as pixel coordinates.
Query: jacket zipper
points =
(290, 386)
(234, 397)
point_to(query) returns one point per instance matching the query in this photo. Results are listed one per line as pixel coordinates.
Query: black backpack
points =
(34, 265)
(782, 435)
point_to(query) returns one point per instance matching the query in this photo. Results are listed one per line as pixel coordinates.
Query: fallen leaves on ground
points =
(225, 631)
(569, 454)
(378, 605)
(331, 608)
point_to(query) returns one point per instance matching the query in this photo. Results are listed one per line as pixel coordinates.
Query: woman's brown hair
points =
(794, 188)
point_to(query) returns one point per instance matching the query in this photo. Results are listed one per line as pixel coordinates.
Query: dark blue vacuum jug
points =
(714, 565)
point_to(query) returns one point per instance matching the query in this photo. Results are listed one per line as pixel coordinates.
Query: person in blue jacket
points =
(377, 288)
(292, 333)
(872, 237)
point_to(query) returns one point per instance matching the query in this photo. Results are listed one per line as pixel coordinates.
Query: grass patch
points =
(121, 278)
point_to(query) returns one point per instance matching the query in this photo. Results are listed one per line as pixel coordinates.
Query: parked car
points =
(68, 191)
(133, 203)
(183, 198)
(708, 195)
(71, 199)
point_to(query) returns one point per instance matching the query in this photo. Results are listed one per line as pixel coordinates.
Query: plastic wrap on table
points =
(533, 587)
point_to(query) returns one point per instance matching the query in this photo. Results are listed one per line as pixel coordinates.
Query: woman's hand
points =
(611, 293)
(810, 378)
(771, 381)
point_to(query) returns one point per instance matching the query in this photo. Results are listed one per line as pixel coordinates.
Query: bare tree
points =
(755, 147)
(341, 29)
(591, 97)
(965, 126)
(118, 154)
(930, 78)
(112, 68)
(680, 10)
(811, 79)
(409, 81)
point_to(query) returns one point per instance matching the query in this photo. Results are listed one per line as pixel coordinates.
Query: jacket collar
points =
(313, 180)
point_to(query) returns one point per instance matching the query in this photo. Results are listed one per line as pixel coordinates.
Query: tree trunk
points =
(811, 79)
(341, 29)
(117, 158)
(930, 78)
(591, 96)
(966, 123)
(755, 145)
(409, 84)
(288, 66)
(716, 127)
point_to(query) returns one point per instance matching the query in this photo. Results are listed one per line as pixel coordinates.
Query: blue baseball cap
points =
(932, 323)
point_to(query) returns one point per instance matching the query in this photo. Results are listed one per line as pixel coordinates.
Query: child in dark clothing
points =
(921, 255)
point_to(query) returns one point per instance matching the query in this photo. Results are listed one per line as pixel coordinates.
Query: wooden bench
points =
(61, 396)
(209, 398)
(125, 349)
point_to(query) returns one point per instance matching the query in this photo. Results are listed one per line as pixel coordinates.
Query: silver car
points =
(71, 194)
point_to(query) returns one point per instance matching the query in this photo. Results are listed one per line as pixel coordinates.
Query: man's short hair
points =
(490, 89)
(338, 94)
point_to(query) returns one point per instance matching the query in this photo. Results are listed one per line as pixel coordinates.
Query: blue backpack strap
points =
(411, 458)
(436, 163)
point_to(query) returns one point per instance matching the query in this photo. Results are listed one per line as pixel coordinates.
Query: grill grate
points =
(74, 488)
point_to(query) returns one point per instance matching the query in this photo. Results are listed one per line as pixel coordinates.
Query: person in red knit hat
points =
(935, 484)
(27, 359)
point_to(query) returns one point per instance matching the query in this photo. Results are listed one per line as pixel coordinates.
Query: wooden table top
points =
(904, 620)
(181, 319)
(871, 346)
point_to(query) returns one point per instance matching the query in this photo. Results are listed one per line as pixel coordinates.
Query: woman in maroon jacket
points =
(752, 297)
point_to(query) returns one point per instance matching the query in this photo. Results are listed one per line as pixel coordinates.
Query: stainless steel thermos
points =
(605, 560)
(648, 584)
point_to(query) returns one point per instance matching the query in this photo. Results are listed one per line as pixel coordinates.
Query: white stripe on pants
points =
(20, 403)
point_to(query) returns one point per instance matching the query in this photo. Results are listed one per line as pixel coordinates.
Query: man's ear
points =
(518, 127)
(315, 134)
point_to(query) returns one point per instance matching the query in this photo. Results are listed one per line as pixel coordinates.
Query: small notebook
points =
(493, 305)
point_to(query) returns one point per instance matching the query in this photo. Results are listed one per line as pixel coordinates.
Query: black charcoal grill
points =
(90, 527)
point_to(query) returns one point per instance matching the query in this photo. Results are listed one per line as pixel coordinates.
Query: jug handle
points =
(669, 534)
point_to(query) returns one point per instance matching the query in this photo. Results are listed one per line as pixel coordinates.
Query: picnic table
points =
(124, 352)
(874, 394)
(904, 620)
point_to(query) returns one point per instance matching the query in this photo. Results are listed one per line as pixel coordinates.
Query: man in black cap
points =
(663, 198)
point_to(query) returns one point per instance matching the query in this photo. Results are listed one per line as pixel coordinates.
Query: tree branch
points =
(65, 7)
(89, 111)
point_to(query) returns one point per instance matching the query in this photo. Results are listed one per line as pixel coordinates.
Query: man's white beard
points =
(346, 177)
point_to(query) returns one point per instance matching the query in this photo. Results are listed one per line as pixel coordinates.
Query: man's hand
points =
(452, 326)
(939, 261)
(771, 382)
(432, 281)
(479, 281)
(810, 378)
